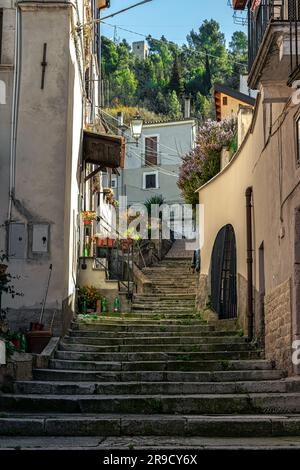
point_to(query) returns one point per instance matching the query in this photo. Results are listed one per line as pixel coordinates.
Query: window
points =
(150, 180)
(114, 183)
(1, 28)
(151, 150)
(225, 101)
(298, 139)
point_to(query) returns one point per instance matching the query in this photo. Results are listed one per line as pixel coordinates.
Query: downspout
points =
(250, 313)
(14, 114)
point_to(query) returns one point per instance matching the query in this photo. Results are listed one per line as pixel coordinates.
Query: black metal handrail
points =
(260, 19)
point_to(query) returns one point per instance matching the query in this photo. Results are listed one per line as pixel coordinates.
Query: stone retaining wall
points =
(278, 326)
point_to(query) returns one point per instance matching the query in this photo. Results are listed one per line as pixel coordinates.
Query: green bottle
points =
(23, 343)
(117, 305)
(84, 307)
(103, 305)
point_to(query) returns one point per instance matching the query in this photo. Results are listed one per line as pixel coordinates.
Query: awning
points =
(103, 149)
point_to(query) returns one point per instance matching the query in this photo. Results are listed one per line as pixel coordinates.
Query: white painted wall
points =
(175, 140)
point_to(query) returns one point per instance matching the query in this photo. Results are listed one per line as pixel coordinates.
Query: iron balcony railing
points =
(272, 11)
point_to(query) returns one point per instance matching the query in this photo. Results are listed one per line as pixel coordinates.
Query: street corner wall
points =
(278, 326)
(242, 294)
(202, 291)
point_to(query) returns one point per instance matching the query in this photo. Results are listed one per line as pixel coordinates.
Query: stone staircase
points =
(160, 371)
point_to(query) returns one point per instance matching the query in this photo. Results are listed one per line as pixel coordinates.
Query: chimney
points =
(187, 107)
(120, 119)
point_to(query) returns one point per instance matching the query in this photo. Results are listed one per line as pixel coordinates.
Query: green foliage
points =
(159, 82)
(174, 106)
(6, 278)
(157, 199)
(129, 112)
(88, 294)
(203, 162)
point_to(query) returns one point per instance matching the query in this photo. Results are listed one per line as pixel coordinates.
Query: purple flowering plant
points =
(203, 162)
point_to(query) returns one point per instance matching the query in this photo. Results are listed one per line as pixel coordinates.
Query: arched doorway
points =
(223, 274)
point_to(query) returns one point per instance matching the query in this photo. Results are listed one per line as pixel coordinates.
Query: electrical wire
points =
(161, 145)
(204, 53)
(168, 173)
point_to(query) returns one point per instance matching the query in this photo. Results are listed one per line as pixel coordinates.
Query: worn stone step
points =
(155, 388)
(161, 331)
(170, 365)
(143, 326)
(157, 356)
(253, 403)
(157, 376)
(190, 304)
(159, 298)
(174, 313)
(142, 320)
(157, 347)
(184, 427)
(162, 338)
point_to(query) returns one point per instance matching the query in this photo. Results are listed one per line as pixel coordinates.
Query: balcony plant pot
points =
(38, 340)
(105, 242)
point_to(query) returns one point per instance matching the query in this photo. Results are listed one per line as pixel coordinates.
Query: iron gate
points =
(223, 274)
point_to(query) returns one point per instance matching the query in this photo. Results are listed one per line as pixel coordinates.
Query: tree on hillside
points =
(176, 83)
(174, 110)
(238, 55)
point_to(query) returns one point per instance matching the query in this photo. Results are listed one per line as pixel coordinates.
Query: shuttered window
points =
(151, 150)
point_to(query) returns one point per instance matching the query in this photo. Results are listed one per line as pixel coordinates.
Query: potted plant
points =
(87, 299)
(88, 217)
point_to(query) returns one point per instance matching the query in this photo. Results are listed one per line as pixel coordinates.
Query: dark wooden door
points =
(223, 274)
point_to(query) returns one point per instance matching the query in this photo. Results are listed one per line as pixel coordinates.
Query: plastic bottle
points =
(23, 343)
(103, 305)
(117, 305)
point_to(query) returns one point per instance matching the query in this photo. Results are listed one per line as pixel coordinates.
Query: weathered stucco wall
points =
(267, 162)
(46, 165)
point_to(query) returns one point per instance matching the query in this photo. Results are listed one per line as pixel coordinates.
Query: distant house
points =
(229, 101)
(152, 167)
(140, 49)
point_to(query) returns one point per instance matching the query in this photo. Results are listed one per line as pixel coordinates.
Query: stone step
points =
(158, 298)
(158, 347)
(170, 303)
(180, 362)
(162, 338)
(252, 403)
(171, 325)
(184, 427)
(144, 322)
(155, 388)
(165, 314)
(157, 376)
(162, 307)
(175, 289)
(156, 356)
(161, 331)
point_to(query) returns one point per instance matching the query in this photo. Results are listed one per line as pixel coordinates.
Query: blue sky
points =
(173, 18)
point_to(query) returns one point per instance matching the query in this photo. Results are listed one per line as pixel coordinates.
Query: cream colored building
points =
(251, 253)
(48, 70)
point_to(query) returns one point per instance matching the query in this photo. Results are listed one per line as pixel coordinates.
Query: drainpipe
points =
(250, 313)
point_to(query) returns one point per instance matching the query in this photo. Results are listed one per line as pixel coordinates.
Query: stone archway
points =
(223, 274)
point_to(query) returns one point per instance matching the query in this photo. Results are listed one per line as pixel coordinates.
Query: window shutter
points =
(151, 146)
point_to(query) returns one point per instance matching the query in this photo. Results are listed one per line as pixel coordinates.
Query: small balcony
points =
(273, 40)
